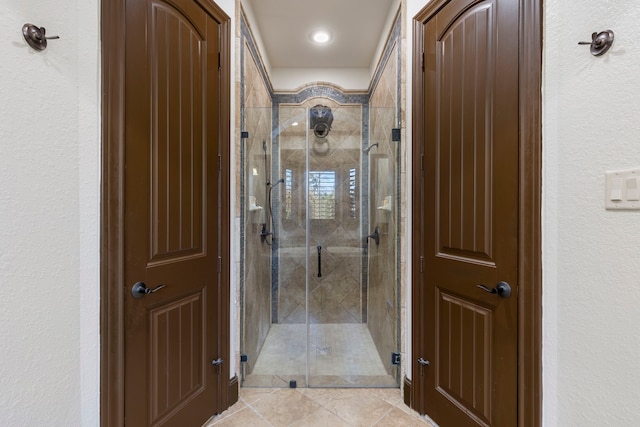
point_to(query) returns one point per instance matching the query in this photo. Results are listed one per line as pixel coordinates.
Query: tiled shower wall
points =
(256, 273)
(335, 296)
(383, 296)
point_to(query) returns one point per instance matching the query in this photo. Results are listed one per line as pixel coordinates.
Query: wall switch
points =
(616, 189)
(633, 189)
(622, 189)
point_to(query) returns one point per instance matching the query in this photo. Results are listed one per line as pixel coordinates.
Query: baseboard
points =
(407, 392)
(234, 390)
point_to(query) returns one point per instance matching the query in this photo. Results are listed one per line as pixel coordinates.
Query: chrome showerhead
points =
(366, 150)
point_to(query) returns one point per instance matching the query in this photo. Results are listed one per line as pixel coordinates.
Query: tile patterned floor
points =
(322, 407)
(340, 355)
(336, 349)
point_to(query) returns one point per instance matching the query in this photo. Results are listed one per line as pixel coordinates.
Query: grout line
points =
(261, 416)
(326, 401)
(384, 415)
(340, 392)
(255, 411)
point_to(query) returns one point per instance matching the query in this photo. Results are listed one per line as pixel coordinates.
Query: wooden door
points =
(173, 211)
(465, 365)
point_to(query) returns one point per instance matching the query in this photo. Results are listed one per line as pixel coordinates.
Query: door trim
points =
(112, 32)
(530, 195)
(530, 221)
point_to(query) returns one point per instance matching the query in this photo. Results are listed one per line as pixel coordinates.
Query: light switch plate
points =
(622, 188)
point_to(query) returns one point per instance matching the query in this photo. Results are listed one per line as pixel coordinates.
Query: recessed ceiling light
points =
(321, 36)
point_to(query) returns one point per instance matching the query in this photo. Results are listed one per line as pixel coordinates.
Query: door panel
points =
(470, 230)
(177, 95)
(464, 353)
(176, 336)
(171, 214)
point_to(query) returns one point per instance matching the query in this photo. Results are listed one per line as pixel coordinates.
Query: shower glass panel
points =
(331, 289)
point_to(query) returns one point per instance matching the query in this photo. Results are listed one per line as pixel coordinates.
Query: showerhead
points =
(366, 150)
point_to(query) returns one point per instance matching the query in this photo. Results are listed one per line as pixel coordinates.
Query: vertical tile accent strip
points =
(275, 169)
(365, 225)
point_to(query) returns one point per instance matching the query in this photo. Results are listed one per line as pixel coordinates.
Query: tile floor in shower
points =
(341, 355)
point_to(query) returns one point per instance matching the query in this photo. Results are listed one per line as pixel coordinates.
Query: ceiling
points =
(357, 27)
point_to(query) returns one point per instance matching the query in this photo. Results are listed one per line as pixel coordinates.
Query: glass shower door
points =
(320, 295)
(335, 258)
(289, 309)
(274, 333)
(342, 348)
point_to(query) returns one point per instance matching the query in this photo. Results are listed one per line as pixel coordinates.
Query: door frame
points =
(112, 31)
(529, 202)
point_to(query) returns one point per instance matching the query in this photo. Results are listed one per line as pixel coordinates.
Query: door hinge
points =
(422, 162)
(219, 62)
(422, 62)
(219, 264)
(421, 264)
(219, 162)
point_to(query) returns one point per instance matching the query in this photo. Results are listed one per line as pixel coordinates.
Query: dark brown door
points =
(171, 206)
(466, 365)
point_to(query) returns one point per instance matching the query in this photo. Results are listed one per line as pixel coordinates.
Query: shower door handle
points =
(319, 261)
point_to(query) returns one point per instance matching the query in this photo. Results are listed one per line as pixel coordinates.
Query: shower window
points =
(322, 194)
(353, 197)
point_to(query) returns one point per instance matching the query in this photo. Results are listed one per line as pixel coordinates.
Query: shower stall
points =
(320, 255)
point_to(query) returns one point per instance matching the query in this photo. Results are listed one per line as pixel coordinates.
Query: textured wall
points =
(49, 205)
(591, 285)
